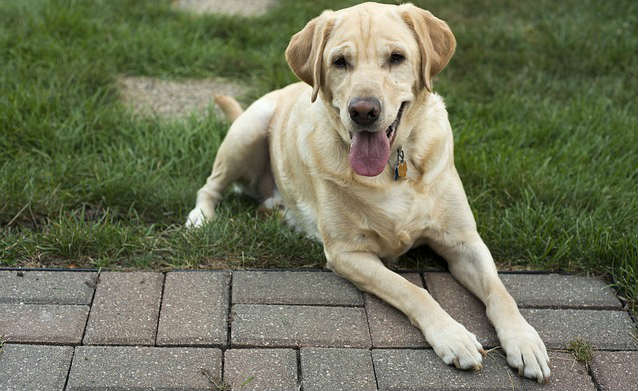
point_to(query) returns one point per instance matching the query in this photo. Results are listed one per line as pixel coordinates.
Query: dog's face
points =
(368, 63)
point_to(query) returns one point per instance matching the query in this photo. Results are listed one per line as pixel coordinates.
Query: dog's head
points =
(369, 62)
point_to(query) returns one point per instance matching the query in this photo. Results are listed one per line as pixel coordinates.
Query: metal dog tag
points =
(401, 168)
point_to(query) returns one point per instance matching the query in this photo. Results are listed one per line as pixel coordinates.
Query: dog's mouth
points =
(370, 151)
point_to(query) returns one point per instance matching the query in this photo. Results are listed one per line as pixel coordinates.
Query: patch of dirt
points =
(165, 98)
(228, 7)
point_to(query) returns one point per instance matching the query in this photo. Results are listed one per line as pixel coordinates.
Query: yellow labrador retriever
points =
(361, 156)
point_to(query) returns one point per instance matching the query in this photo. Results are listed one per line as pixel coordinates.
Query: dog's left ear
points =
(435, 39)
(305, 51)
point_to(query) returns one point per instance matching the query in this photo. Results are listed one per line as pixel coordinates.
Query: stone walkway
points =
(234, 7)
(174, 99)
(285, 330)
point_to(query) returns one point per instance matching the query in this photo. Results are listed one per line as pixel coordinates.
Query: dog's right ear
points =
(305, 51)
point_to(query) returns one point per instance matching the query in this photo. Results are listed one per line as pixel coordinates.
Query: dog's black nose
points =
(364, 111)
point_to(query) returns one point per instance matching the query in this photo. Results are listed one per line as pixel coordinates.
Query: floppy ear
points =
(435, 39)
(305, 51)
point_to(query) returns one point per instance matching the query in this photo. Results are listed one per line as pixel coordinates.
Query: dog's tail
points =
(229, 106)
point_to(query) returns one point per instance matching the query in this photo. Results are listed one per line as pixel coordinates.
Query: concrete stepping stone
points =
(144, 368)
(261, 369)
(166, 98)
(43, 323)
(462, 305)
(294, 326)
(287, 287)
(616, 371)
(603, 329)
(560, 291)
(34, 367)
(194, 309)
(389, 327)
(46, 287)
(234, 7)
(125, 309)
(337, 370)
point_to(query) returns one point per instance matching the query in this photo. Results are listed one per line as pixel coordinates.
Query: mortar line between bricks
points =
(229, 309)
(374, 371)
(45, 343)
(228, 324)
(96, 282)
(159, 310)
(299, 373)
(422, 276)
(135, 345)
(304, 305)
(590, 372)
(19, 303)
(68, 373)
(554, 307)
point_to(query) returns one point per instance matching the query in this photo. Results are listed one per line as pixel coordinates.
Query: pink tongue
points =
(369, 153)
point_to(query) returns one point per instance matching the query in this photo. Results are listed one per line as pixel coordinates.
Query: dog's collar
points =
(400, 166)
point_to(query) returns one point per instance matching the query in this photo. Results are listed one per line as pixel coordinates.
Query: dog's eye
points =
(396, 58)
(340, 62)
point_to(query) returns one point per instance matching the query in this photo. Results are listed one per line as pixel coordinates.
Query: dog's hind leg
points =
(242, 157)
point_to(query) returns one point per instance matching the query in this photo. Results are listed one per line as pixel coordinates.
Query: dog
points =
(360, 154)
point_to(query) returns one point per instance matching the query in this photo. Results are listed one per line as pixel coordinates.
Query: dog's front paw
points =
(455, 345)
(196, 218)
(526, 351)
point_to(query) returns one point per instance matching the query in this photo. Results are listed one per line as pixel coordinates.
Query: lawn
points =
(541, 97)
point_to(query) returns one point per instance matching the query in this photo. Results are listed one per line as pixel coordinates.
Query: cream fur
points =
(290, 143)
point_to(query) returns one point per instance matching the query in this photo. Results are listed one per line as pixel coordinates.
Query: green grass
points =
(581, 350)
(541, 96)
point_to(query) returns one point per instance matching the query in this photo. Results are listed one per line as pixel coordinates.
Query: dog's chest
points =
(397, 217)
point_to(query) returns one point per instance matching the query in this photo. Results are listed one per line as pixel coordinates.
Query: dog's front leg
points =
(472, 265)
(449, 339)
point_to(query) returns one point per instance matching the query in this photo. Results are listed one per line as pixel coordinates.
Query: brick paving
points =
(194, 309)
(462, 306)
(286, 330)
(125, 309)
(261, 369)
(389, 328)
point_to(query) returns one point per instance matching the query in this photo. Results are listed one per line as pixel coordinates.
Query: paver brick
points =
(567, 375)
(411, 370)
(423, 370)
(144, 368)
(560, 291)
(287, 287)
(616, 371)
(261, 369)
(389, 327)
(325, 369)
(125, 309)
(462, 305)
(46, 287)
(33, 367)
(32, 323)
(194, 309)
(602, 328)
(287, 326)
